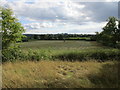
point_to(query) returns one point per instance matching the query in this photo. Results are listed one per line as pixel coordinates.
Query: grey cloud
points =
(39, 13)
(97, 11)
(100, 11)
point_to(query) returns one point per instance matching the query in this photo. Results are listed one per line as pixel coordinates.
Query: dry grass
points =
(59, 74)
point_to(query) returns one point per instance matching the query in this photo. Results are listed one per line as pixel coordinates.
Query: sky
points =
(62, 16)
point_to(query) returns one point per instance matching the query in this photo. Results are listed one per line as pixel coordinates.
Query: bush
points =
(36, 55)
(72, 56)
(99, 55)
(11, 54)
(118, 46)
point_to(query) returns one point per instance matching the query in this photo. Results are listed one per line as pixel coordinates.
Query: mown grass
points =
(59, 74)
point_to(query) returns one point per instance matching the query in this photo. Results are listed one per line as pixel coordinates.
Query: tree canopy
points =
(111, 32)
(11, 28)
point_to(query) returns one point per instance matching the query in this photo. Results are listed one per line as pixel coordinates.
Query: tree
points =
(11, 29)
(118, 32)
(110, 34)
(109, 31)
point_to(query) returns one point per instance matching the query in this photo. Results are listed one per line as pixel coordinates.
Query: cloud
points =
(62, 16)
(67, 10)
(48, 10)
(38, 25)
(87, 28)
(99, 12)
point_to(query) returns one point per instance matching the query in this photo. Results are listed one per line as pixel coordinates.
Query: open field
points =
(61, 45)
(60, 50)
(68, 50)
(59, 74)
(47, 64)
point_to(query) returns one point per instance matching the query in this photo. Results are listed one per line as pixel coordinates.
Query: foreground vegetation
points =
(59, 74)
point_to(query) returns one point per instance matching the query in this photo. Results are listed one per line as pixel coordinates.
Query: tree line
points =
(62, 36)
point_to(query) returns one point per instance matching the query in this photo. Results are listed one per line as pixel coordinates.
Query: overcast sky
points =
(62, 16)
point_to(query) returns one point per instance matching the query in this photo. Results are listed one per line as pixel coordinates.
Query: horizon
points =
(58, 33)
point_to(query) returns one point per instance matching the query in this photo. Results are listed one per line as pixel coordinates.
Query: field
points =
(44, 72)
(58, 74)
(61, 45)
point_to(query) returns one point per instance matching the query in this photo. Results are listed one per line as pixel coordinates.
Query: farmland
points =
(44, 71)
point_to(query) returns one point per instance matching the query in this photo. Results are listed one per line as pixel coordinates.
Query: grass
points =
(49, 64)
(61, 45)
(82, 38)
(60, 50)
(58, 47)
(59, 74)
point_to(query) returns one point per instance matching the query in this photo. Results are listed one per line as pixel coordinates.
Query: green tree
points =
(110, 33)
(118, 32)
(11, 29)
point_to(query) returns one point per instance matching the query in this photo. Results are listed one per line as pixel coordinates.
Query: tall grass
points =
(59, 74)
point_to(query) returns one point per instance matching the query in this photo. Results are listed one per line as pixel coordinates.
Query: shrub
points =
(11, 54)
(118, 46)
(99, 55)
(72, 56)
(36, 55)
